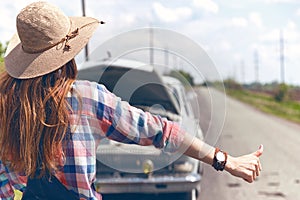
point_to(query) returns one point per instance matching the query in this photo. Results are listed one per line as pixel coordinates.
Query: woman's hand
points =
(247, 167)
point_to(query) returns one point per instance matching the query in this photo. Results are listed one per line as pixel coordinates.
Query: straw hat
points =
(46, 39)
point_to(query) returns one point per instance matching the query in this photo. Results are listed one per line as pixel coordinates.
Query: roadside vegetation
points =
(2, 51)
(278, 99)
(275, 98)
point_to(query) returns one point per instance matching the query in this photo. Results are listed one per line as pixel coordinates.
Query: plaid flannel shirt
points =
(100, 114)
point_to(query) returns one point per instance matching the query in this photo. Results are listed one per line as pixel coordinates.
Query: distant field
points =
(289, 110)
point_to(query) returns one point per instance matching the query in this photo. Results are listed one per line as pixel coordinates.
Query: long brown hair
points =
(34, 118)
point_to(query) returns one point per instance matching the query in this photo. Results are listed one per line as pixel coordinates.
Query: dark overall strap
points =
(47, 189)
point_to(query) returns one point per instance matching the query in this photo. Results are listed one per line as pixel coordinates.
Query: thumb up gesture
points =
(247, 167)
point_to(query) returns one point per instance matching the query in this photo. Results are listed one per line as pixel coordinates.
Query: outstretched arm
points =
(247, 167)
(128, 124)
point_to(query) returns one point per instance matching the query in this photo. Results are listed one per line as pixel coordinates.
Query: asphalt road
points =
(245, 128)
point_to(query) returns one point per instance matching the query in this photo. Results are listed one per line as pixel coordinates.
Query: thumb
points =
(259, 151)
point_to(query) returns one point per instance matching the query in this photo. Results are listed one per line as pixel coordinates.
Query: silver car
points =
(124, 168)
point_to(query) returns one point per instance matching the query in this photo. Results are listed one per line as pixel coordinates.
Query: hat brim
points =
(22, 65)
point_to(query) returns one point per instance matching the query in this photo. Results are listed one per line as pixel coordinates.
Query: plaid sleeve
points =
(127, 124)
(6, 190)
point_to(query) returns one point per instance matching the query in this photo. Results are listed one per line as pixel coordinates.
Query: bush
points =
(281, 93)
(232, 84)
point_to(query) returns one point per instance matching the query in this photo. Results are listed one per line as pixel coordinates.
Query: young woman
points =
(51, 123)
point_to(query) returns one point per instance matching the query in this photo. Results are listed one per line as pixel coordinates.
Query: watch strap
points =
(217, 164)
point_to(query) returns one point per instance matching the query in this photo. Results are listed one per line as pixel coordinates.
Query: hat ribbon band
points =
(64, 41)
(69, 37)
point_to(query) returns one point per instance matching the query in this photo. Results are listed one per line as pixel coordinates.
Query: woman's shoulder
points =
(86, 85)
(88, 88)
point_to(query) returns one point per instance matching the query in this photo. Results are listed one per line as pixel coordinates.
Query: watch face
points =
(220, 156)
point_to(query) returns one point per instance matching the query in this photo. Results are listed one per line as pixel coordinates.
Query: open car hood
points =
(135, 82)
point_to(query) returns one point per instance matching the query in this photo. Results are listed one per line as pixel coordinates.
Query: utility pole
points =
(234, 73)
(242, 71)
(256, 66)
(86, 46)
(282, 68)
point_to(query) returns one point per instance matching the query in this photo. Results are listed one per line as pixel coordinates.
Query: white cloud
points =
(256, 19)
(270, 36)
(207, 5)
(239, 22)
(291, 25)
(225, 45)
(7, 26)
(169, 14)
(290, 32)
(280, 1)
(237, 57)
(128, 18)
(297, 12)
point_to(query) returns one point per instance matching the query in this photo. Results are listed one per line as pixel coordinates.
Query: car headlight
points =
(148, 167)
(183, 167)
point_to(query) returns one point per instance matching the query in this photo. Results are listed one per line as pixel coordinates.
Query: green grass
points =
(289, 110)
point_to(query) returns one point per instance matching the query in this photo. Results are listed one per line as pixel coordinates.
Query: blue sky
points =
(230, 31)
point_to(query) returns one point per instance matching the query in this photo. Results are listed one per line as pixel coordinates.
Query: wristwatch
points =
(220, 159)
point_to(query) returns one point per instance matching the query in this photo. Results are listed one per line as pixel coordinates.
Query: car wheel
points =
(192, 195)
(200, 168)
